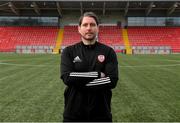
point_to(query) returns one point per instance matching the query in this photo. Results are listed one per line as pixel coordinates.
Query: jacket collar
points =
(89, 46)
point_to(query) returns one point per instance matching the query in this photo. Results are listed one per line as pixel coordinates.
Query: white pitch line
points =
(23, 64)
(172, 60)
(167, 65)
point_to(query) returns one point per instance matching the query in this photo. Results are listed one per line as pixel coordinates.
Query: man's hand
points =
(102, 75)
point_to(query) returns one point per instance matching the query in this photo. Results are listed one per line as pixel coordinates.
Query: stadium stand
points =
(10, 37)
(70, 36)
(110, 35)
(155, 36)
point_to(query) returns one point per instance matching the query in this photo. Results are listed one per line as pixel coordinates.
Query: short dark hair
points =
(89, 14)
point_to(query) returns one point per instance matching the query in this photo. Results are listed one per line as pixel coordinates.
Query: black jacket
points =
(87, 96)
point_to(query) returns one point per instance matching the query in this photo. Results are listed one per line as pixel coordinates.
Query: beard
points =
(89, 37)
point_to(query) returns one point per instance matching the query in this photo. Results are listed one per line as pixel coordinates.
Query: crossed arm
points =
(92, 79)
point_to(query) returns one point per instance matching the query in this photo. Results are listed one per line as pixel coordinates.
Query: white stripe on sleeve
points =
(99, 81)
(84, 74)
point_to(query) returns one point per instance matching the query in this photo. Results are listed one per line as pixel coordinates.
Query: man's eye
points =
(85, 25)
(92, 24)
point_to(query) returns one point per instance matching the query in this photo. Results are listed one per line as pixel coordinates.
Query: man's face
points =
(88, 28)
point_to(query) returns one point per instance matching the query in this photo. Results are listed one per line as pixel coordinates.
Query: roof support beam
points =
(126, 8)
(149, 8)
(36, 8)
(59, 8)
(5, 4)
(172, 8)
(13, 8)
(104, 8)
(81, 7)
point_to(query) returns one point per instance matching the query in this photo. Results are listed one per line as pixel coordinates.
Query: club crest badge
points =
(101, 58)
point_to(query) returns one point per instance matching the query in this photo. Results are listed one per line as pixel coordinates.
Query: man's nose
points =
(89, 27)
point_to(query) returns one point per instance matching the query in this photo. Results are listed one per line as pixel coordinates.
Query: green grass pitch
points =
(148, 89)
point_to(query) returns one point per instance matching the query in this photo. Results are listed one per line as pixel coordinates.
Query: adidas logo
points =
(77, 59)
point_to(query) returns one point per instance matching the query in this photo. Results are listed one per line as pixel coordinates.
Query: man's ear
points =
(79, 29)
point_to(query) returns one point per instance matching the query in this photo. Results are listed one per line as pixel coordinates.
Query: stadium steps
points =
(126, 41)
(58, 41)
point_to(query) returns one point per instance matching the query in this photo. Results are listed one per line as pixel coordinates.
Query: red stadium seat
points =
(10, 37)
(155, 36)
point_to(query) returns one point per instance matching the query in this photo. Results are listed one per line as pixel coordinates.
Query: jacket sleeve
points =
(111, 72)
(68, 74)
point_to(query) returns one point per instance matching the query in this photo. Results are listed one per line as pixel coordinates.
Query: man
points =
(90, 70)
